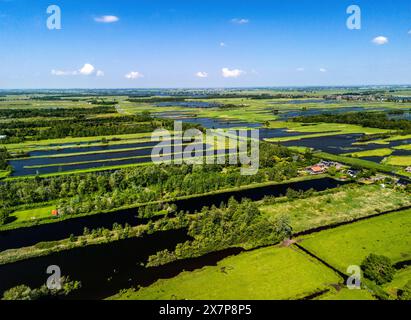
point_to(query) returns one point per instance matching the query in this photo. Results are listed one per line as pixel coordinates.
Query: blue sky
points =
(208, 43)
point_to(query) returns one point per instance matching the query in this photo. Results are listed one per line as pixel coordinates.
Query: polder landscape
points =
(79, 190)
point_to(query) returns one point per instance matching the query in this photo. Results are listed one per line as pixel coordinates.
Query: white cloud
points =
(409, 32)
(202, 74)
(380, 40)
(134, 75)
(106, 19)
(323, 70)
(223, 44)
(240, 21)
(300, 69)
(87, 69)
(62, 73)
(234, 73)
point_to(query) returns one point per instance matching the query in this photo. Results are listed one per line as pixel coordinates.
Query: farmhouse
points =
(316, 169)
(323, 166)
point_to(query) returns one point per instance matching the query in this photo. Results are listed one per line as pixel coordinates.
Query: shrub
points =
(378, 268)
(405, 293)
(21, 292)
(4, 215)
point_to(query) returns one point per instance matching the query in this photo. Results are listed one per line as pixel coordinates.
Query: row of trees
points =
(195, 182)
(23, 292)
(81, 126)
(4, 214)
(214, 229)
(55, 112)
(4, 155)
(365, 119)
(380, 270)
(110, 189)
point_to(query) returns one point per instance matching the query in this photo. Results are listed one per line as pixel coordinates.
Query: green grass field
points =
(343, 205)
(32, 214)
(388, 140)
(403, 161)
(347, 294)
(347, 245)
(383, 152)
(320, 130)
(401, 278)
(269, 273)
(403, 147)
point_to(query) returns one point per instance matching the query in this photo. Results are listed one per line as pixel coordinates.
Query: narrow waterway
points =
(105, 269)
(24, 237)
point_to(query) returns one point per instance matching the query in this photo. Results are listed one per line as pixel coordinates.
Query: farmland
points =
(205, 159)
(387, 235)
(77, 176)
(345, 205)
(256, 275)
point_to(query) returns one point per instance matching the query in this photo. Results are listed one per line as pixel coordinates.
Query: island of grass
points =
(387, 140)
(401, 161)
(316, 130)
(403, 147)
(271, 273)
(382, 152)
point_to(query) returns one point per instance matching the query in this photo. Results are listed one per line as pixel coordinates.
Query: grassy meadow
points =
(348, 245)
(270, 273)
(345, 204)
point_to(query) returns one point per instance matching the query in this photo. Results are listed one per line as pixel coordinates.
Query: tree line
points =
(4, 155)
(83, 193)
(20, 131)
(237, 224)
(55, 112)
(365, 119)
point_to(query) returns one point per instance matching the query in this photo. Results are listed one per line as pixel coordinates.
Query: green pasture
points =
(345, 204)
(347, 245)
(271, 273)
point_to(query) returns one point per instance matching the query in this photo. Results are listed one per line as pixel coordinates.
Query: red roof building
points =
(317, 169)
